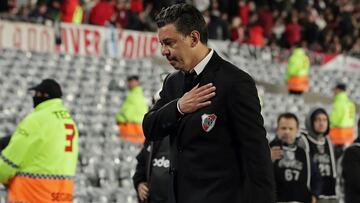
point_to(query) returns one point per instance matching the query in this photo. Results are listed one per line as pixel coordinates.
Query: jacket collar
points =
(47, 103)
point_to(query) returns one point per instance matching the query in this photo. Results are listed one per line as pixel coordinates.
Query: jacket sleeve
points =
(141, 166)
(19, 149)
(134, 107)
(163, 118)
(351, 167)
(250, 137)
(122, 115)
(336, 114)
(292, 68)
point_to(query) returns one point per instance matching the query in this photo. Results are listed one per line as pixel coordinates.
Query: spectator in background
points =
(237, 31)
(321, 152)
(351, 171)
(132, 112)
(136, 6)
(297, 72)
(122, 13)
(292, 30)
(245, 9)
(8, 8)
(297, 180)
(310, 30)
(256, 36)
(342, 119)
(202, 5)
(217, 27)
(356, 48)
(54, 10)
(23, 13)
(347, 43)
(266, 21)
(326, 39)
(101, 13)
(71, 11)
(335, 46)
(278, 30)
(40, 14)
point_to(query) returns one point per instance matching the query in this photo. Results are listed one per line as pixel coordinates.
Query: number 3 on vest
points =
(70, 137)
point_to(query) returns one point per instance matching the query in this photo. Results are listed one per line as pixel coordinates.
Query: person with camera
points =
(297, 180)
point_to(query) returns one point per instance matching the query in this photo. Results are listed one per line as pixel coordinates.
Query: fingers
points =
(144, 188)
(143, 191)
(203, 104)
(206, 97)
(197, 98)
(205, 88)
(204, 92)
(276, 153)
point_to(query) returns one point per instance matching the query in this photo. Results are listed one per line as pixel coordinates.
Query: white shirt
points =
(199, 69)
(201, 65)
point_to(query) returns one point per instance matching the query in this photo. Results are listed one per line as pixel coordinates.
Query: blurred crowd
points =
(329, 26)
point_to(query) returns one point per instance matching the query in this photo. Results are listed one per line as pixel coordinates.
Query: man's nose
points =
(165, 51)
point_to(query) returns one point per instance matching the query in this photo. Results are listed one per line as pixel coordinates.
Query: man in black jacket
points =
(151, 179)
(210, 110)
(321, 152)
(351, 171)
(297, 177)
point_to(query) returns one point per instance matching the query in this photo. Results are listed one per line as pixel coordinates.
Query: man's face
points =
(132, 84)
(287, 130)
(175, 47)
(320, 123)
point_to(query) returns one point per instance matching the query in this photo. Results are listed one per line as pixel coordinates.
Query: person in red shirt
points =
(237, 31)
(293, 31)
(121, 14)
(101, 12)
(266, 20)
(256, 36)
(245, 9)
(68, 8)
(136, 6)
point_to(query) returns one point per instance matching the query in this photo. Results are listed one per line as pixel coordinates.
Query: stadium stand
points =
(94, 89)
(260, 64)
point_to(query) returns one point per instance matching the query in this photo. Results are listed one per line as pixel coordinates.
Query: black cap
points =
(341, 86)
(133, 77)
(49, 86)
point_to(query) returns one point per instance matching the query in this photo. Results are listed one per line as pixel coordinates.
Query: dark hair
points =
(341, 86)
(133, 77)
(288, 115)
(186, 19)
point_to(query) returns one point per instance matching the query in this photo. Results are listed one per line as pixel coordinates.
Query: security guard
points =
(297, 73)
(39, 163)
(132, 112)
(342, 117)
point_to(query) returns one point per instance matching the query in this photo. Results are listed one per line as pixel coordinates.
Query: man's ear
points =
(195, 38)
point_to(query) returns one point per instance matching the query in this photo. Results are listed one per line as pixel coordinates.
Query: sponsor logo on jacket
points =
(162, 162)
